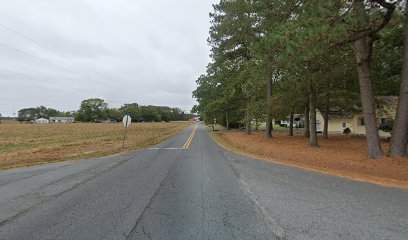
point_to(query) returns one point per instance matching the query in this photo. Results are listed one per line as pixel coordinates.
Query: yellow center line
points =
(187, 144)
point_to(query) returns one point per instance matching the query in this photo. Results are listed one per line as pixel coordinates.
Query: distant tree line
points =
(274, 58)
(97, 110)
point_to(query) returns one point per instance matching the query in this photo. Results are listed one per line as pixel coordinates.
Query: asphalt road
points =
(202, 192)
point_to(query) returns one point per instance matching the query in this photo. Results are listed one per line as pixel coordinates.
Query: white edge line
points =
(166, 148)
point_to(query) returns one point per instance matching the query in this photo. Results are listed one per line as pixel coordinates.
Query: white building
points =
(62, 119)
(386, 107)
(42, 121)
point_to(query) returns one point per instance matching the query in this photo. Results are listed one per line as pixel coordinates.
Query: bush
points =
(347, 131)
(387, 126)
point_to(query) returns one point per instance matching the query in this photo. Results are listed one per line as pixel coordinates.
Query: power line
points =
(43, 80)
(53, 64)
(50, 63)
(50, 49)
(56, 52)
(68, 87)
(38, 58)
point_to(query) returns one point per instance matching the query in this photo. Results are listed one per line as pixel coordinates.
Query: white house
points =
(386, 108)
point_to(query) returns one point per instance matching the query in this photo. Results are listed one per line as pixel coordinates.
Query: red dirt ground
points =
(339, 155)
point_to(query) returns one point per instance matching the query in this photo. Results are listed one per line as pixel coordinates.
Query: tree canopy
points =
(273, 58)
(97, 110)
(29, 114)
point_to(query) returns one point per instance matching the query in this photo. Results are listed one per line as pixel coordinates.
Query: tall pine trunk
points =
(326, 117)
(312, 110)
(291, 120)
(399, 136)
(269, 126)
(307, 121)
(363, 53)
(227, 121)
(367, 99)
(248, 117)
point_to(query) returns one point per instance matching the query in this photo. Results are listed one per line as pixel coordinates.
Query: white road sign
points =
(126, 121)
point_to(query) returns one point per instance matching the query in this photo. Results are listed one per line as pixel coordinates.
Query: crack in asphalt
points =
(269, 220)
(146, 233)
(116, 164)
(32, 175)
(134, 230)
(202, 193)
(18, 215)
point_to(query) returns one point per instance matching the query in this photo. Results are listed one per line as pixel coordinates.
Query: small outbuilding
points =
(42, 121)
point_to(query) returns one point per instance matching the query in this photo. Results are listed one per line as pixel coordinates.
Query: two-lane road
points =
(189, 188)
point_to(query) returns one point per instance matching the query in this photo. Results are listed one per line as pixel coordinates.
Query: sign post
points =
(126, 122)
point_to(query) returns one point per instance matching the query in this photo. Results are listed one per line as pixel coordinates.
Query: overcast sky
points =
(56, 52)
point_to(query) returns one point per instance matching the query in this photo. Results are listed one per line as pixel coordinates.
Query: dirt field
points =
(30, 144)
(340, 155)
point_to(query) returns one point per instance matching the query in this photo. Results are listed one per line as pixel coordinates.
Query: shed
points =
(42, 121)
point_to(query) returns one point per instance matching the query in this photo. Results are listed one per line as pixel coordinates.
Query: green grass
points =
(217, 127)
(260, 128)
(275, 127)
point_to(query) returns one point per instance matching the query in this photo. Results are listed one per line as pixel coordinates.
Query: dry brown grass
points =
(339, 155)
(30, 144)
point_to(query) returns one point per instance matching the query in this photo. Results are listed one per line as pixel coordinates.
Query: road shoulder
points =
(333, 172)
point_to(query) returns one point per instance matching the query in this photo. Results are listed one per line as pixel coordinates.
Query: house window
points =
(361, 121)
(344, 125)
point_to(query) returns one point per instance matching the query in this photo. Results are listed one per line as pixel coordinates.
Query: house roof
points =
(341, 113)
(386, 107)
(62, 118)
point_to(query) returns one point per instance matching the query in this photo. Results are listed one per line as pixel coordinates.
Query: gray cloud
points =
(150, 52)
